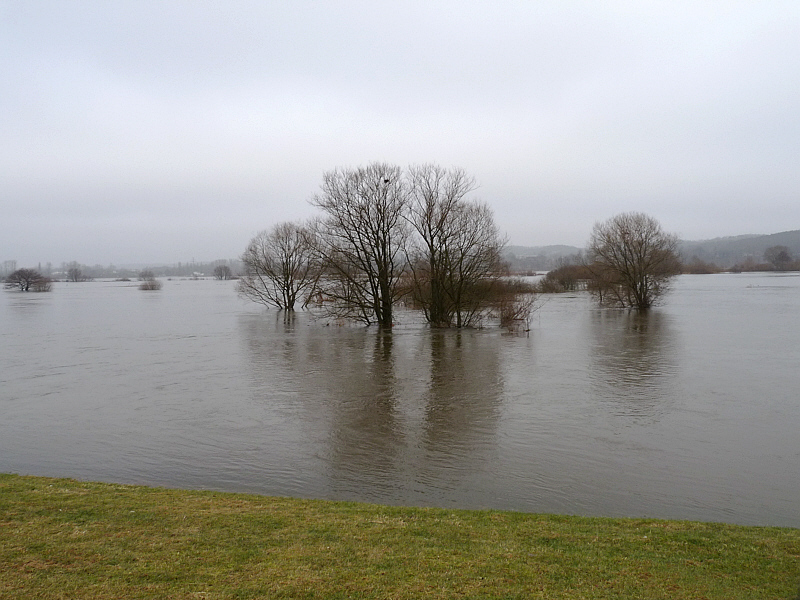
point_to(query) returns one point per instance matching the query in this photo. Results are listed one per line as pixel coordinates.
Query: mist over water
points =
(690, 411)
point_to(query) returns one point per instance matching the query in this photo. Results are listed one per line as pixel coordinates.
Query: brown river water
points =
(691, 411)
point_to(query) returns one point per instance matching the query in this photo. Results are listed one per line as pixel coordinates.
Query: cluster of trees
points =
(384, 235)
(387, 234)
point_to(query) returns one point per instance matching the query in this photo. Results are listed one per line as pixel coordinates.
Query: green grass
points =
(69, 539)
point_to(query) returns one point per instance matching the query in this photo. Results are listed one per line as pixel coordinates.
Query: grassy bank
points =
(67, 539)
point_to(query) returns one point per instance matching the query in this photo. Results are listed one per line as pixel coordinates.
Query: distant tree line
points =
(776, 258)
(33, 280)
(386, 235)
(76, 272)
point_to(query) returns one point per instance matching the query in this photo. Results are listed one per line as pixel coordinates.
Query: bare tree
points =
(631, 260)
(360, 241)
(436, 196)
(28, 280)
(474, 262)
(148, 281)
(74, 272)
(280, 269)
(457, 254)
(223, 272)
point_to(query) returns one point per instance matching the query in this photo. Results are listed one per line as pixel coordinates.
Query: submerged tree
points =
(280, 269)
(28, 280)
(223, 273)
(456, 256)
(631, 260)
(360, 241)
(74, 273)
(148, 281)
(384, 234)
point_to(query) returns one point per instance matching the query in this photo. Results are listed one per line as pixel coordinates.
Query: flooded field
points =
(691, 411)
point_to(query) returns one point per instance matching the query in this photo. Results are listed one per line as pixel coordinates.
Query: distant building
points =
(9, 266)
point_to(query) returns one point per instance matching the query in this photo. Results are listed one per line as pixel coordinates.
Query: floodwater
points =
(691, 411)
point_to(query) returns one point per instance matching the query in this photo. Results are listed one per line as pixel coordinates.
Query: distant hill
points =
(725, 252)
(728, 251)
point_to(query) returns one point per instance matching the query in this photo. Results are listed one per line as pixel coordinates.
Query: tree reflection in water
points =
(388, 413)
(462, 405)
(633, 361)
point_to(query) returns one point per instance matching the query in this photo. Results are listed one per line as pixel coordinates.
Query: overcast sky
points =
(166, 131)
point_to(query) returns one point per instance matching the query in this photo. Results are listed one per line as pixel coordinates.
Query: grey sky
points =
(157, 131)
